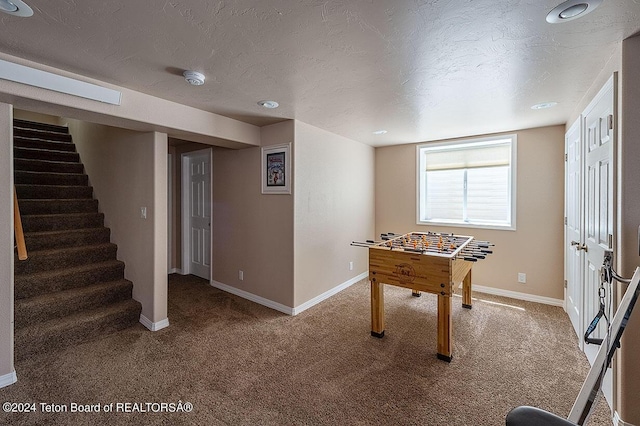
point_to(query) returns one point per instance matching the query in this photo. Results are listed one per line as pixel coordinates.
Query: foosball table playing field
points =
(423, 262)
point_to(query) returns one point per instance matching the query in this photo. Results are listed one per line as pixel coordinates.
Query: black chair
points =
(532, 416)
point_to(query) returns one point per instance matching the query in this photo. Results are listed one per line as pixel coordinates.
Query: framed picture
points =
(276, 169)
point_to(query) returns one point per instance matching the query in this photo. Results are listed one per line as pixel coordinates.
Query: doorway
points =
(196, 213)
(590, 215)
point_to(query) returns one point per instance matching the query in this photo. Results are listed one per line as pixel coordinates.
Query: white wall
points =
(534, 248)
(7, 372)
(629, 220)
(128, 170)
(252, 232)
(293, 247)
(334, 205)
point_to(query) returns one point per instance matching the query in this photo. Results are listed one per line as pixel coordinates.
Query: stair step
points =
(25, 124)
(45, 154)
(67, 238)
(43, 178)
(57, 206)
(45, 307)
(41, 134)
(72, 288)
(75, 329)
(47, 166)
(59, 222)
(43, 144)
(63, 279)
(53, 191)
(45, 260)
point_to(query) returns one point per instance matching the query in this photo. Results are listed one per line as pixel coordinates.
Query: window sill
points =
(467, 225)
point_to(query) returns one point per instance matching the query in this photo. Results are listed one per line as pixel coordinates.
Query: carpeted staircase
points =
(71, 289)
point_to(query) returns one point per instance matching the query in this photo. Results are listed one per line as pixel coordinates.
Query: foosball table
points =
(423, 262)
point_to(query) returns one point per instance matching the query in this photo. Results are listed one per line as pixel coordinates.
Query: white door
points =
(169, 213)
(197, 213)
(573, 227)
(598, 124)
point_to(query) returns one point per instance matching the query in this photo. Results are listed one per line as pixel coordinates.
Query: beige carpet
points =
(239, 363)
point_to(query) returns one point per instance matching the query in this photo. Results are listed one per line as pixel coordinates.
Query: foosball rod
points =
(389, 236)
(482, 243)
(479, 247)
(367, 243)
(478, 250)
(467, 256)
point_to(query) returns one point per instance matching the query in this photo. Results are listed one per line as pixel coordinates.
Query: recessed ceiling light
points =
(544, 105)
(269, 104)
(571, 9)
(380, 132)
(193, 77)
(15, 8)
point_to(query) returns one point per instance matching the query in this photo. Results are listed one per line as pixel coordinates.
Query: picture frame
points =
(276, 169)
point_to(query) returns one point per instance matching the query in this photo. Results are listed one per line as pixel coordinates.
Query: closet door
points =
(599, 143)
(574, 219)
(598, 125)
(590, 215)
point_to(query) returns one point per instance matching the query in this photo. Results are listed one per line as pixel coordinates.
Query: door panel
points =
(573, 227)
(199, 213)
(598, 120)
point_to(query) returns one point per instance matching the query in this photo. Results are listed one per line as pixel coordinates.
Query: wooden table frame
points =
(420, 273)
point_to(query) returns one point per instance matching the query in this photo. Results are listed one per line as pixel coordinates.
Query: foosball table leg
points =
(466, 291)
(377, 308)
(445, 342)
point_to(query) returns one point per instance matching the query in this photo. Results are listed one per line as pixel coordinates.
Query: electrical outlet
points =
(351, 266)
(241, 275)
(522, 277)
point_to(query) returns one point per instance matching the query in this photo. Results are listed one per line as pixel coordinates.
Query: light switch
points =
(143, 212)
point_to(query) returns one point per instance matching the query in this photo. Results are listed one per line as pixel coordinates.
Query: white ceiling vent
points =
(571, 9)
(16, 8)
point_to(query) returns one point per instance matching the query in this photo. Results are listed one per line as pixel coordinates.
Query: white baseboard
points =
(517, 295)
(154, 326)
(175, 271)
(327, 294)
(8, 379)
(286, 309)
(252, 297)
(617, 421)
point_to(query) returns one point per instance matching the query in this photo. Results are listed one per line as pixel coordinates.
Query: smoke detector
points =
(193, 77)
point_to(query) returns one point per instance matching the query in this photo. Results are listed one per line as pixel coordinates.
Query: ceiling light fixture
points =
(193, 77)
(544, 105)
(16, 8)
(380, 132)
(269, 104)
(571, 9)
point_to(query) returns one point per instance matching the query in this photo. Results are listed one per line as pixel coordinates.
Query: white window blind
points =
(468, 155)
(467, 183)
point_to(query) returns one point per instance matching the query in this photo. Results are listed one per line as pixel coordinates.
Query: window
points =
(468, 183)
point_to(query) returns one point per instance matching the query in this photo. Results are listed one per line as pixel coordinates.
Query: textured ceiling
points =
(423, 70)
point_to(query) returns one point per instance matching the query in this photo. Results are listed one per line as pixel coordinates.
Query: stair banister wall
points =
(128, 170)
(7, 371)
